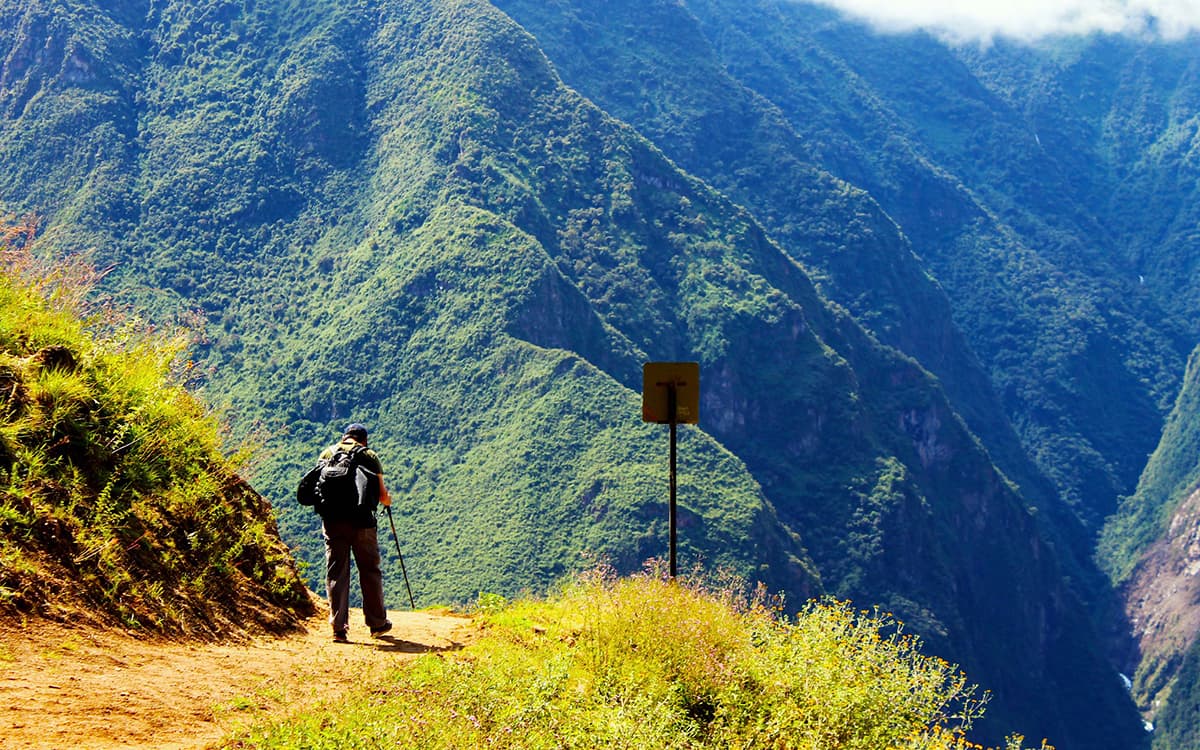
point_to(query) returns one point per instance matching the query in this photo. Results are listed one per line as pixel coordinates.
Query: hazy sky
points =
(1027, 19)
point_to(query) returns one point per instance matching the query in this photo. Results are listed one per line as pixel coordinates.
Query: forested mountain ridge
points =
(957, 168)
(397, 212)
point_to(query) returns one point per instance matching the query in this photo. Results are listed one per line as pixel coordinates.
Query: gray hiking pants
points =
(342, 539)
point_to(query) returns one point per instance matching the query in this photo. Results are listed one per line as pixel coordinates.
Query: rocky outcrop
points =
(1162, 603)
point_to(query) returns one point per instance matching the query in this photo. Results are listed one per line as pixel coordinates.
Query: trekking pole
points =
(396, 539)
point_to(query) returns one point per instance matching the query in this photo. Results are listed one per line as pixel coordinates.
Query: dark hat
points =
(356, 430)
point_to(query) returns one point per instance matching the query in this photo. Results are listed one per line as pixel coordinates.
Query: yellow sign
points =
(659, 379)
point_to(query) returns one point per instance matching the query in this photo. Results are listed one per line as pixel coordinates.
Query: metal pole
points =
(671, 398)
(412, 602)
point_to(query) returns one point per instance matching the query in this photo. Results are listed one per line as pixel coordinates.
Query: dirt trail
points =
(64, 687)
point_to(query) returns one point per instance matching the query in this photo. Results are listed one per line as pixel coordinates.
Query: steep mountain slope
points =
(995, 211)
(1012, 169)
(670, 81)
(397, 212)
(1124, 112)
(1151, 547)
(670, 84)
(1043, 293)
(1171, 473)
(300, 319)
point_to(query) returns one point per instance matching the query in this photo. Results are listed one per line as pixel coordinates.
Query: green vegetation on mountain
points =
(1045, 187)
(1023, 230)
(792, 94)
(1171, 473)
(1150, 553)
(646, 662)
(917, 391)
(744, 127)
(671, 265)
(1175, 723)
(116, 501)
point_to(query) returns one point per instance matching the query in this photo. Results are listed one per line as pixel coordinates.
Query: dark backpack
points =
(306, 491)
(342, 482)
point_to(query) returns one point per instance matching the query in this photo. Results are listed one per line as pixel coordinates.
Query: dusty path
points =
(81, 688)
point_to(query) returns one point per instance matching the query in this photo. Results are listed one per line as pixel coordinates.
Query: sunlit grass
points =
(112, 474)
(643, 662)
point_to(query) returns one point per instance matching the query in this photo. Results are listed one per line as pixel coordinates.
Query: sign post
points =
(671, 395)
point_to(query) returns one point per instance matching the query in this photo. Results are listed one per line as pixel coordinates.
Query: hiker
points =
(346, 501)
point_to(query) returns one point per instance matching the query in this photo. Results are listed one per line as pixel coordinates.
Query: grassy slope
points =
(116, 503)
(644, 662)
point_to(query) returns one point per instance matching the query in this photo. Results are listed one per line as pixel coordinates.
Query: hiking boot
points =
(376, 632)
(339, 636)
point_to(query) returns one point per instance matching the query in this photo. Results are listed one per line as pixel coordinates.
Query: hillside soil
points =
(82, 687)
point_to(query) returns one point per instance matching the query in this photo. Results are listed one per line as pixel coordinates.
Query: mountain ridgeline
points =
(941, 297)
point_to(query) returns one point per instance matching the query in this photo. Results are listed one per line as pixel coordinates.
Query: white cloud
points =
(1027, 19)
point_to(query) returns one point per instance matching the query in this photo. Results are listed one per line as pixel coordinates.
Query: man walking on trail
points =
(348, 524)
